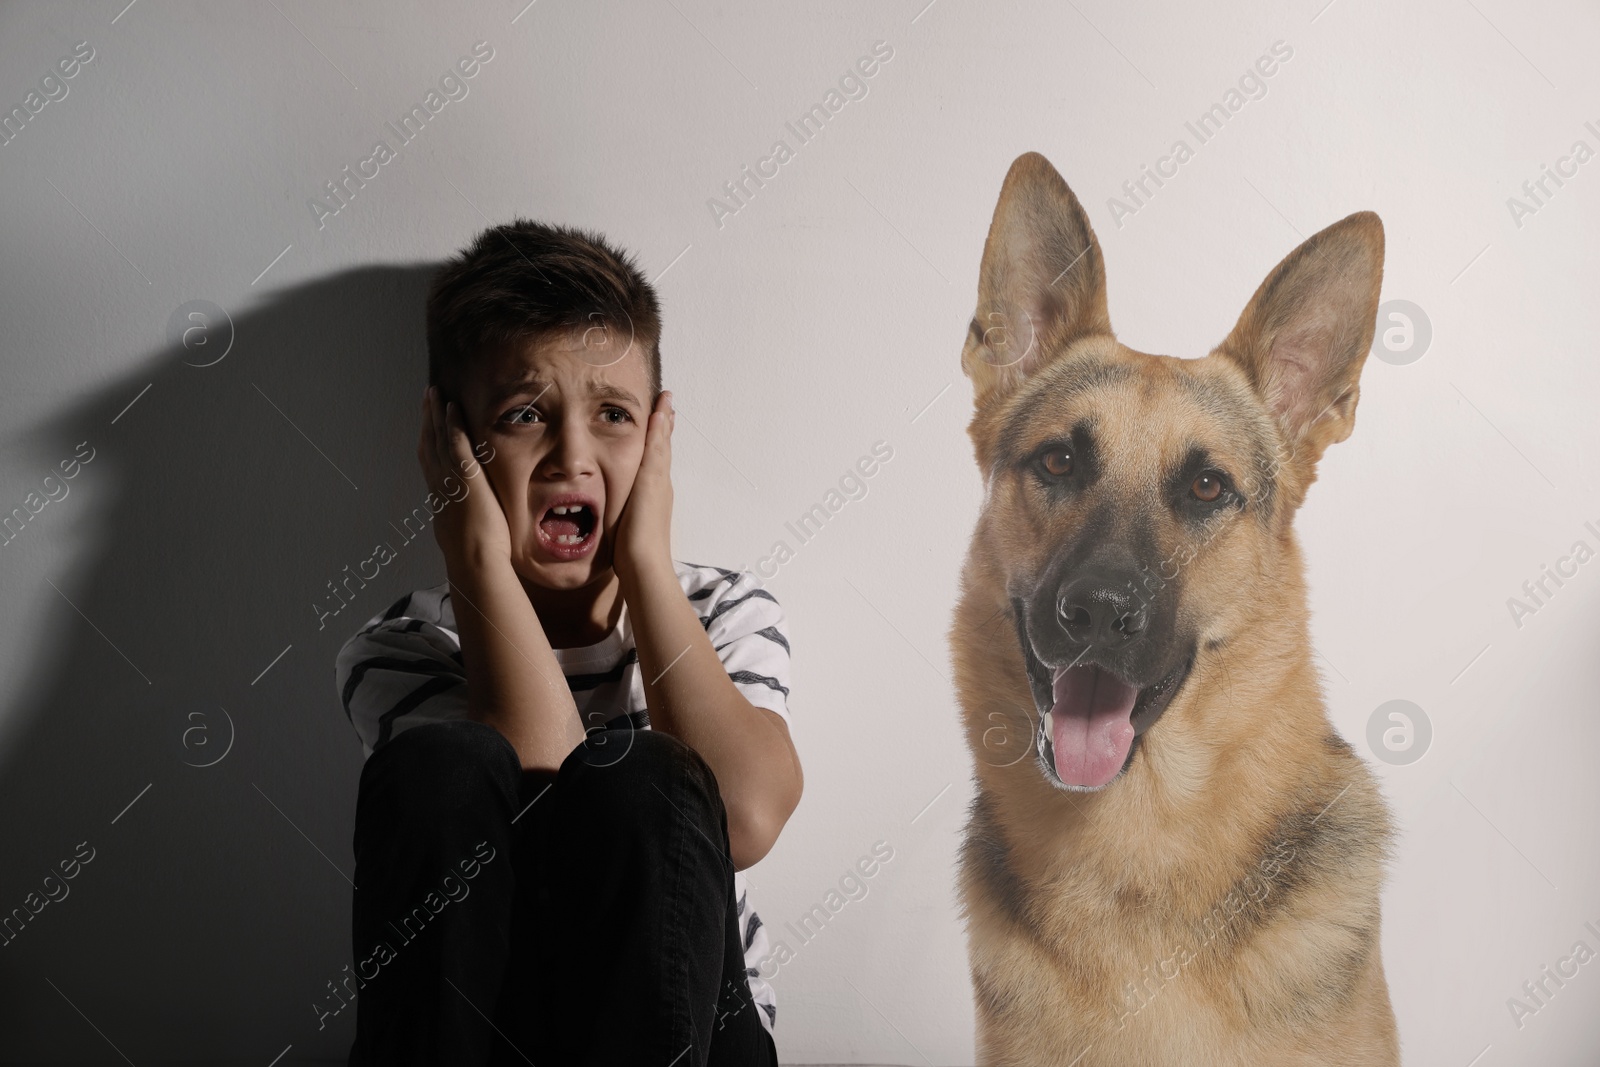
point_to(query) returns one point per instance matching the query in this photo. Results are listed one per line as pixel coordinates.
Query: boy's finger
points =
(452, 433)
(460, 455)
(433, 430)
(429, 421)
(668, 421)
(446, 421)
(441, 423)
(654, 435)
(425, 432)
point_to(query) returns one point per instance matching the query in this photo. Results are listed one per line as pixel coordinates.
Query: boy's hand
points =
(472, 527)
(644, 530)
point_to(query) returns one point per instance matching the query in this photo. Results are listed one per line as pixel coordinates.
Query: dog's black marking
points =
(990, 1001)
(1312, 845)
(1079, 443)
(1179, 481)
(984, 852)
(1059, 383)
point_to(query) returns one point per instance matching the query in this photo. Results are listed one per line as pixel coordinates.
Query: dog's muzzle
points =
(1103, 665)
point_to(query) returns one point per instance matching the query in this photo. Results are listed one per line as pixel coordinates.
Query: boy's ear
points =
(1305, 335)
(1041, 285)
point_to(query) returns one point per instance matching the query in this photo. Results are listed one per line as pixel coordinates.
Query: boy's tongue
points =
(1091, 725)
(560, 525)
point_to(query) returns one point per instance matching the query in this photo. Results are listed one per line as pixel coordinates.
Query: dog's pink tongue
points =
(1091, 725)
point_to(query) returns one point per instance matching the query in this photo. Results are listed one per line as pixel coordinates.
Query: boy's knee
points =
(630, 771)
(441, 766)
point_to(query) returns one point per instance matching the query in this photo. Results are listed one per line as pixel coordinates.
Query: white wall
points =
(826, 315)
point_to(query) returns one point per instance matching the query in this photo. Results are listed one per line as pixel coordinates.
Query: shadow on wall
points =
(208, 907)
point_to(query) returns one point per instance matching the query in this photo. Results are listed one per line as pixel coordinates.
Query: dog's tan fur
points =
(1218, 903)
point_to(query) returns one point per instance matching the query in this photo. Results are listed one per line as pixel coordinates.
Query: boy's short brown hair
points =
(525, 280)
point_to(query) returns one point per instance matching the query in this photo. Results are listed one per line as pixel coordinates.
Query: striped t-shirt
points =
(404, 668)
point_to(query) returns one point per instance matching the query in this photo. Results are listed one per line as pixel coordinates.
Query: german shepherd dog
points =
(1186, 872)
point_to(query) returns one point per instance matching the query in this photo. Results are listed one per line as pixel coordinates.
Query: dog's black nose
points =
(1097, 607)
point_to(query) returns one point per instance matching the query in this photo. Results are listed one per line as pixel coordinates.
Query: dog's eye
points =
(1207, 487)
(1057, 462)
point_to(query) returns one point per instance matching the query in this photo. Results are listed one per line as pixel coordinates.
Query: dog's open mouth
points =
(1095, 720)
(1091, 719)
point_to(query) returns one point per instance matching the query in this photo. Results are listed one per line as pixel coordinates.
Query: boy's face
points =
(566, 416)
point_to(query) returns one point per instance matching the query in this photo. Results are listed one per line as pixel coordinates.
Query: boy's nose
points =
(572, 450)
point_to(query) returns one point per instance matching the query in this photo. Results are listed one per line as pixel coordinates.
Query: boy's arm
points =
(513, 680)
(692, 697)
(688, 691)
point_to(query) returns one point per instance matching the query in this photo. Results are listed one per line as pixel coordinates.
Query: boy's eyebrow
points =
(598, 388)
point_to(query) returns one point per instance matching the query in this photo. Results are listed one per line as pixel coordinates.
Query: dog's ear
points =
(1305, 335)
(1042, 283)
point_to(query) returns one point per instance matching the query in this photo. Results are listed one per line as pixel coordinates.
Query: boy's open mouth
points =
(567, 527)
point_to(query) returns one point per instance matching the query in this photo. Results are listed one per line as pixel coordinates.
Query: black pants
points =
(504, 917)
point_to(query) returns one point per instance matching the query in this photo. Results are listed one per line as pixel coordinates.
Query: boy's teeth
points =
(562, 525)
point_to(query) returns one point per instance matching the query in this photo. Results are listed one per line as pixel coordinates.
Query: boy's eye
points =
(528, 415)
(521, 416)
